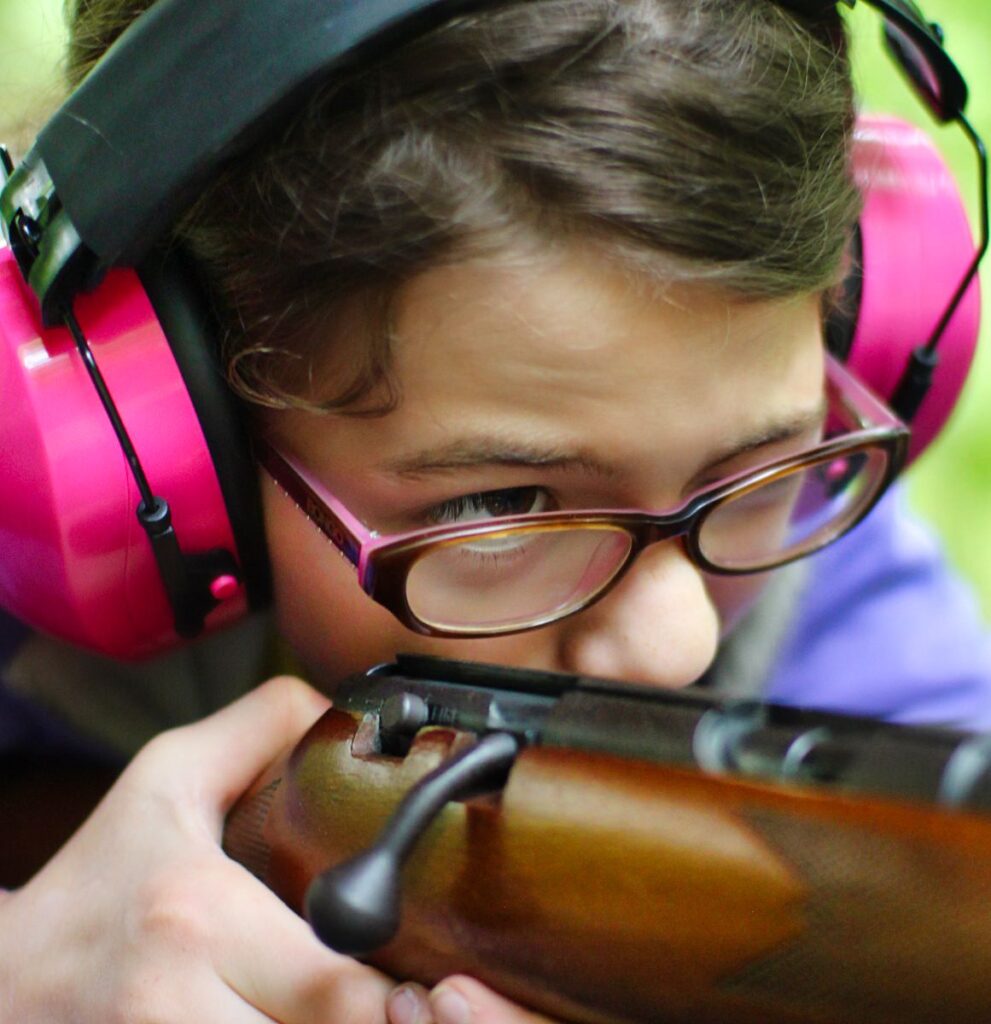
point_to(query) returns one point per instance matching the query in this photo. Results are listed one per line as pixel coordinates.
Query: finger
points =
(462, 1000)
(225, 752)
(273, 960)
(409, 1004)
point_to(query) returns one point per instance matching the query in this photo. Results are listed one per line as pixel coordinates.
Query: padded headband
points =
(123, 158)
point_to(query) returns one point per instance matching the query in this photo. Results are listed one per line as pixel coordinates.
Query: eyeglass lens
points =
(519, 577)
(793, 515)
(525, 576)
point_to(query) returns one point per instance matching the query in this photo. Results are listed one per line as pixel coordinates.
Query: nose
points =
(657, 626)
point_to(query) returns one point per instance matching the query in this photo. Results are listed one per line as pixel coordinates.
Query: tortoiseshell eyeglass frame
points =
(383, 562)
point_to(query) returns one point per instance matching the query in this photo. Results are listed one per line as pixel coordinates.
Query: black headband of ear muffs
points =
(116, 163)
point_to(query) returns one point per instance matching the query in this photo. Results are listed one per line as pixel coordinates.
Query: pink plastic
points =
(917, 245)
(73, 559)
(224, 587)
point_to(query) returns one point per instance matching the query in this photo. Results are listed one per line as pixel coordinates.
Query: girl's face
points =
(584, 388)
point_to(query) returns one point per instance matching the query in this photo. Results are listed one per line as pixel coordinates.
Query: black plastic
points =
(188, 321)
(355, 907)
(186, 577)
(841, 319)
(186, 86)
(916, 379)
(776, 743)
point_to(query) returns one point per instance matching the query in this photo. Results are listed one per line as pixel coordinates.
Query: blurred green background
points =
(951, 484)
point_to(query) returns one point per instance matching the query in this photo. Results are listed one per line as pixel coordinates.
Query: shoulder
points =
(53, 694)
(885, 627)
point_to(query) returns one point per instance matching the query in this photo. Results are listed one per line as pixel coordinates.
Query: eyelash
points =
(511, 501)
(477, 506)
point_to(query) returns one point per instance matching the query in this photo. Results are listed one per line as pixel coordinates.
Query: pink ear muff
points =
(73, 559)
(917, 246)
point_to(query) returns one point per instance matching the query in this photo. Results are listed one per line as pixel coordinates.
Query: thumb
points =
(225, 752)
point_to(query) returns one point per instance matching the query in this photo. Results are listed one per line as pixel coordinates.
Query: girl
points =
(544, 257)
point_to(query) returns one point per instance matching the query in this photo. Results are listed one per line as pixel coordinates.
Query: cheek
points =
(333, 627)
(734, 596)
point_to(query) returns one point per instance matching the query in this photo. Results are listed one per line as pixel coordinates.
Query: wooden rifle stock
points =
(652, 857)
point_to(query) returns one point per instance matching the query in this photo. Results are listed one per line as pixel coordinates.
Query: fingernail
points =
(449, 1006)
(407, 1005)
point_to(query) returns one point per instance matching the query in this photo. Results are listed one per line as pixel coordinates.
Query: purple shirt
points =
(887, 629)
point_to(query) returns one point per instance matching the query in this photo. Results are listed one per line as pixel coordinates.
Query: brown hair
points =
(704, 139)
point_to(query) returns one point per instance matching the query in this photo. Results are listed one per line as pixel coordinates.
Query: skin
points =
(638, 394)
(146, 920)
(570, 358)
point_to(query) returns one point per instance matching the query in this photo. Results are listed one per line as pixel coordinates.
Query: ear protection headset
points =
(111, 402)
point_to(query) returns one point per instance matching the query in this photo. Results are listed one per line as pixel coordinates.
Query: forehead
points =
(579, 312)
(577, 332)
(576, 351)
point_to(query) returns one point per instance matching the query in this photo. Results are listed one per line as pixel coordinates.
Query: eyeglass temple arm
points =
(860, 403)
(331, 522)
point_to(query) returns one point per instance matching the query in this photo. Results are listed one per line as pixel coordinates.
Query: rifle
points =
(609, 853)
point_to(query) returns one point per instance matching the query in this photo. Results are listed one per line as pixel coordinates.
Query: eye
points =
(511, 501)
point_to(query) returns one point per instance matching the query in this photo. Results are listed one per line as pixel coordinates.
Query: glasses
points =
(519, 572)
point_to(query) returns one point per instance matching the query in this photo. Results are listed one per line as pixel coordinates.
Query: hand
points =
(456, 1000)
(142, 917)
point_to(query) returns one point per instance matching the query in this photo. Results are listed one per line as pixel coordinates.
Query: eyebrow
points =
(774, 433)
(470, 453)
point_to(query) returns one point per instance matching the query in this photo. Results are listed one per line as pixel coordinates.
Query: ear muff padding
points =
(184, 312)
(915, 245)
